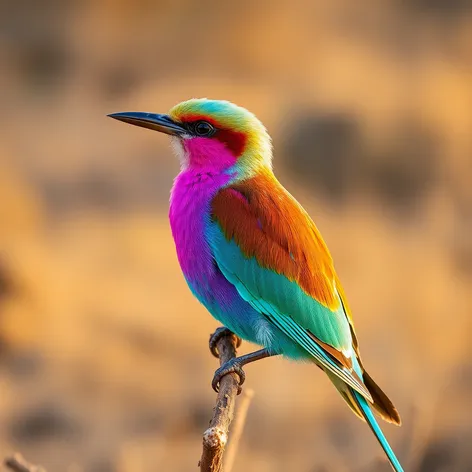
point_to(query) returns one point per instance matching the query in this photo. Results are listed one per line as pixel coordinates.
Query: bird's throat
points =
(189, 213)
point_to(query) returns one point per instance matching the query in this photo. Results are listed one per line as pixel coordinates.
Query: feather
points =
(382, 404)
(371, 421)
(362, 408)
(273, 254)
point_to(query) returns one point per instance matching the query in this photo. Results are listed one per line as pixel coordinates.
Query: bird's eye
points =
(202, 128)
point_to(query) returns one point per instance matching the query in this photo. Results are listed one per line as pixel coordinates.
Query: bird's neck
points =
(189, 214)
(190, 204)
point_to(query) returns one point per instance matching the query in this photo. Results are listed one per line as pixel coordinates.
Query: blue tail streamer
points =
(372, 422)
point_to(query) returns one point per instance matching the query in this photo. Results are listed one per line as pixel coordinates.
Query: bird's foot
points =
(217, 335)
(231, 367)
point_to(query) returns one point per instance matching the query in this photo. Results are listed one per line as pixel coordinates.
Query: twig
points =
(18, 464)
(216, 436)
(238, 427)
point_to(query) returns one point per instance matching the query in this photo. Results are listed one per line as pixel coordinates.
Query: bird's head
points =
(211, 135)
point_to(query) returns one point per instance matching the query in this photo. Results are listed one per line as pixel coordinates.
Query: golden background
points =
(104, 365)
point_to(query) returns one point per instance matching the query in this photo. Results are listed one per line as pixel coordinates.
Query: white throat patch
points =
(180, 152)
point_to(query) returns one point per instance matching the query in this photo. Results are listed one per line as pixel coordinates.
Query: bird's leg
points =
(235, 365)
(217, 335)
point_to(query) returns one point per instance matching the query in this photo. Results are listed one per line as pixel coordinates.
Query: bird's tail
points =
(361, 407)
(366, 412)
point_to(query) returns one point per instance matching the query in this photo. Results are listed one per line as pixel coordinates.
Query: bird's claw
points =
(217, 335)
(230, 367)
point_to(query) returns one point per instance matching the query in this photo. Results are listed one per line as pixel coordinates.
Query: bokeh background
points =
(104, 365)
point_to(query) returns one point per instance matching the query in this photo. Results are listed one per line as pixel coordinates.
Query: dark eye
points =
(202, 128)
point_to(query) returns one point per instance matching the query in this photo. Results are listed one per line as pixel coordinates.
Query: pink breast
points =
(189, 211)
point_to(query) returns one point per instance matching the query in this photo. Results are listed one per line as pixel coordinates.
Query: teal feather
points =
(366, 412)
(286, 306)
(374, 426)
(284, 295)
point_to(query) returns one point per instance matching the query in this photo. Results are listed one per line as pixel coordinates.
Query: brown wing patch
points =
(267, 223)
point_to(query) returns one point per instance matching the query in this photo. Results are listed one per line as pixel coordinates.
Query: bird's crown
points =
(224, 113)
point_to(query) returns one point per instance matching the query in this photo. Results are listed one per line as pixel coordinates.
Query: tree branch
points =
(216, 436)
(17, 463)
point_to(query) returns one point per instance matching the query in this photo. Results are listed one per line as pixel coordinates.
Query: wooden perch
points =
(17, 463)
(215, 437)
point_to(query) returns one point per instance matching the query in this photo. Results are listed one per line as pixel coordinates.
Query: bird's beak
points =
(162, 123)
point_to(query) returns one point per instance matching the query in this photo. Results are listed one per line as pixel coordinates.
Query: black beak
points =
(162, 123)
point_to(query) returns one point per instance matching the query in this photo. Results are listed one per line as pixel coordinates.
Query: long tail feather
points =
(366, 412)
(382, 404)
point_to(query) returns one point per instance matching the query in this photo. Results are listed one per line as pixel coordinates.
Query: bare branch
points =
(216, 436)
(17, 463)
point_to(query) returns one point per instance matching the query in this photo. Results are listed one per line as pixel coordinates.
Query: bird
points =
(254, 258)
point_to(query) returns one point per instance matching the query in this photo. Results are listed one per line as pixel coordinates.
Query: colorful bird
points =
(252, 255)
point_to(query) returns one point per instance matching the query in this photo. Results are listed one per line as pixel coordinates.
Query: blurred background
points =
(104, 365)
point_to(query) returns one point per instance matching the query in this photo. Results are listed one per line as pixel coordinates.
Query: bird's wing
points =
(268, 247)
